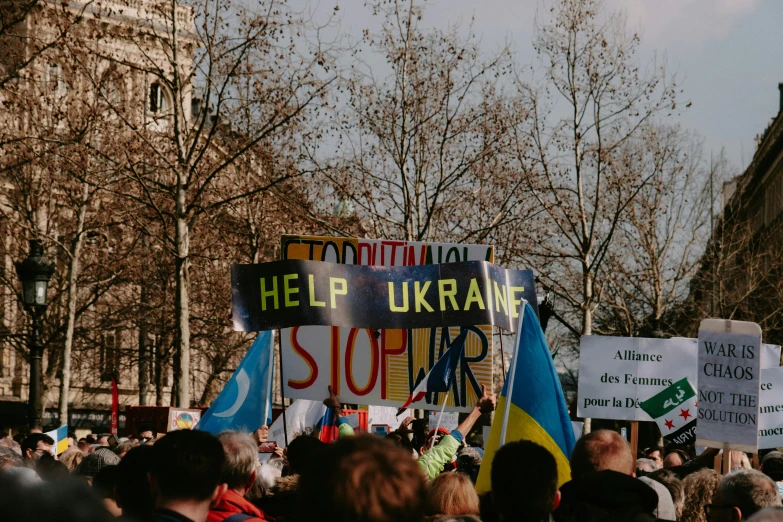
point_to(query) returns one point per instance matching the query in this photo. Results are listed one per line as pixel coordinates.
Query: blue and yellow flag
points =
(60, 438)
(538, 410)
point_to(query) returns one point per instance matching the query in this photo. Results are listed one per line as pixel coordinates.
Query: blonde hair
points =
(452, 494)
(71, 458)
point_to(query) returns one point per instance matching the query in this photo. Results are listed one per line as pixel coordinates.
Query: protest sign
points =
(182, 419)
(729, 374)
(386, 415)
(674, 410)
(617, 373)
(284, 294)
(449, 421)
(771, 408)
(599, 360)
(409, 352)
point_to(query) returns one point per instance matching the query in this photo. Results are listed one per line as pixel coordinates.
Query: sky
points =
(728, 53)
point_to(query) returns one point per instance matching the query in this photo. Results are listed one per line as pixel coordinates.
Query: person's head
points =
(699, 489)
(103, 439)
(302, 451)
(674, 485)
(95, 462)
(261, 434)
(239, 471)
(104, 484)
(71, 457)
(146, 433)
(34, 430)
(50, 470)
(9, 459)
(133, 494)
(83, 445)
(772, 465)
(740, 494)
(644, 466)
(469, 461)
(428, 441)
(187, 466)
(770, 514)
(71, 440)
(674, 458)
(35, 445)
(528, 496)
(601, 450)
(363, 479)
(123, 447)
(452, 494)
(399, 439)
(654, 453)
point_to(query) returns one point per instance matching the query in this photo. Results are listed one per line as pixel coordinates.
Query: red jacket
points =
(231, 504)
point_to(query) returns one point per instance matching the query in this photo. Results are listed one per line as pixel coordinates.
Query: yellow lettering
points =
(474, 295)
(288, 290)
(393, 307)
(513, 291)
(501, 297)
(452, 283)
(334, 291)
(418, 295)
(313, 301)
(269, 293)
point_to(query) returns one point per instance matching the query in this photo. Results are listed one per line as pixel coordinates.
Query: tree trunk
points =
(144, 357)
(158, 371)
(73, 288)
(181, 299)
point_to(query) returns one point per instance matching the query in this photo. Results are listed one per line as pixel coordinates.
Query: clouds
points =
(692, 22)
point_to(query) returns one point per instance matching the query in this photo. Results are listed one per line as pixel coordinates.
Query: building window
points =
(158, 100)
(55, 84)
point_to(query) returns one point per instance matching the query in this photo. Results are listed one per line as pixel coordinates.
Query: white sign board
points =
(386, 415)
(771, 409)
(599, 363)
(729, 372)
(449, 421)
(617, 373)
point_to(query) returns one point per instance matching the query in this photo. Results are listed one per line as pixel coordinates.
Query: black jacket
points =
(606, 496)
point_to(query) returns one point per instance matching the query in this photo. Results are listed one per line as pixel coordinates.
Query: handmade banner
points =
(409, 353)
(728, 382)
(674, 410)
(617, 373)
(771, 408)
(284, 294)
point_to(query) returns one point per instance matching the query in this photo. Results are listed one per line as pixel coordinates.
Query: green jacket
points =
(432, 461)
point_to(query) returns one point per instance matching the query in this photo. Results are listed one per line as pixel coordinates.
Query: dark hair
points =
(680, 453)
(147, 427)
(363, 479)
(105, 481)
(50, 469)
(401, 440)
(523, 496)
(652, 449)
(31, 442)
(302, 451)
(133, 489)
(188, 465)
(90, 439)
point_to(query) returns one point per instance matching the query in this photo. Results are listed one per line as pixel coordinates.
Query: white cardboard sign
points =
(599, 360)
(729, 373)
(771, 408)
(617, 373)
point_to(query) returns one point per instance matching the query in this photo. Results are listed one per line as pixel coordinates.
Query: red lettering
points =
(336, 359)
(373, 378)
(365, 260)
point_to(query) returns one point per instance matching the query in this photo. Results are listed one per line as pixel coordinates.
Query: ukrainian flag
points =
(60, 437)
(538, 410)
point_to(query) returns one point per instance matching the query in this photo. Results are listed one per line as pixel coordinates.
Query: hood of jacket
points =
(606, 496)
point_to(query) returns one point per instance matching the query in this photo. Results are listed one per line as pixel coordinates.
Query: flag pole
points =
(282, 390)
(435, 435)
(513, 373)
(270, 373)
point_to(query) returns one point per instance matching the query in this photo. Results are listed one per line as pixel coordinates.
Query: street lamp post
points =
(34, 273)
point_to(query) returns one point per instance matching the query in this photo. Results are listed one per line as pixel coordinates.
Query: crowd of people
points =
(195, 476)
